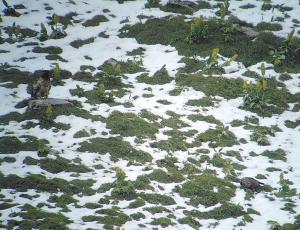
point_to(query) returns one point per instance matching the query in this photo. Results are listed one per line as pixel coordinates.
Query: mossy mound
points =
(14, 77)
(34, 218)
(154, 198)
(173, 176)
(160, 77)
(162, 221)
(156, 209)
(212, 86)
(226, 210)
(175, 31)
(113, 67)
(49, 50)
(116, 147)
(109, 217)
(185, 10)
(12, 145)
(42, 184)
(216, 137)
(95, 21)
(268, 26)
(79, 43)
(46, 119)
(58, 165)
(81, 133)
(129, 124)
(277, 97)
(207, 190)
(62, 201)
(203, 102)
(123, 190)
(208, 119)
(171, 145)
(189, 220)
(278, 154)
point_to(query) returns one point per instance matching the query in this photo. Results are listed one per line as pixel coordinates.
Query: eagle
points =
(250, 184)
(41, 87)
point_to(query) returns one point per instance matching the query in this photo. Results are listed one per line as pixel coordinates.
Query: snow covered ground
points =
(170, 115)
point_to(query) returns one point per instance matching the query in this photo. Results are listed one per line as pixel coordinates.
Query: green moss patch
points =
(79, 43)
(12, 145)
(216, 137)
(96, 95)
(129, 124)
(109, 217)
(175, 31)
(8, 160)
(55, 57)
(46, 120)
(155, 198)
(172, 176)
(5, 205)
(123, 190)
(156, 209)
(212, 86)
(81, 133)
(137, 216)
(201, 190)
(42, 184)
(137, 203)
(49, 50)
(142, 183)
(292, 124)
(95, 21)
(278, 154)
(34, 218)
(226, 210)
(136, 52)
(162, 221)
(203, 102)
(58, 165)
(176, 140)
(113, 67)
(171, 145)
(174, 121)
(208, 119)
(62, 201)
(277, 97)
(14, 77)
(164, 102)
(131, 67)
(189, 220)
(160, 77)
(268, 26)
(185, 10)
(116, 147)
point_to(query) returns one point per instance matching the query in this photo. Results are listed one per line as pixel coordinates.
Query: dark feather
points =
(5, 3)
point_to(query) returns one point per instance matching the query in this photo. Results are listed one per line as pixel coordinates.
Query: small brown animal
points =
(250, 184)
(41, 88)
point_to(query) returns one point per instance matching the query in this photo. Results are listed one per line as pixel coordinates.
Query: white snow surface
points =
(153, 59)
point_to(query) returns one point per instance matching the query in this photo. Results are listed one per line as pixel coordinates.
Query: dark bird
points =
(250, 184)
(41, 88)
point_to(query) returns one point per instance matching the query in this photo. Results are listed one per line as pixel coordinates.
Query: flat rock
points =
(38, 103)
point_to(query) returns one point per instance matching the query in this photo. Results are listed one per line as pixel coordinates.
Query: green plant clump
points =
(34, 218)
(201, 190)
(129, 124)
(226, 210)
(116, 147)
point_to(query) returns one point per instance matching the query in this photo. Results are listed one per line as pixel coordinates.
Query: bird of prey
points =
(250, 184)
(41, 88)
